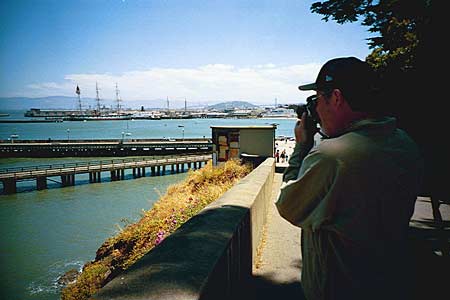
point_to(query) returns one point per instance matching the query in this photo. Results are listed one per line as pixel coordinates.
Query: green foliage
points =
(88, 282)
(181, 202)
(404, 28)
(403, 56)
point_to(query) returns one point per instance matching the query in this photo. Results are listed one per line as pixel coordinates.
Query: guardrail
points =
(102, 165)
(79, 164)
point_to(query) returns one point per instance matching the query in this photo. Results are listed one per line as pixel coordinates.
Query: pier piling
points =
(9, 186)
(41, 182)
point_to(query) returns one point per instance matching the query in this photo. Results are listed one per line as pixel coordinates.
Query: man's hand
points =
(304, 131)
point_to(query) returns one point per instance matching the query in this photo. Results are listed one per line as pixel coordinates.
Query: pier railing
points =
(96, 163)
(10, 176)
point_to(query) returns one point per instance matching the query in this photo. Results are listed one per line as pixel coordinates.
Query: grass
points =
(181, 202)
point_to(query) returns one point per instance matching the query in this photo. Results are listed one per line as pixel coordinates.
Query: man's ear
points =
(338, 98)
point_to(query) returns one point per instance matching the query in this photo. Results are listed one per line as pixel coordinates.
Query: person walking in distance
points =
(283, 155)
(353, 193)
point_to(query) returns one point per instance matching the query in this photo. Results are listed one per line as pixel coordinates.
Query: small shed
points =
(252, 142)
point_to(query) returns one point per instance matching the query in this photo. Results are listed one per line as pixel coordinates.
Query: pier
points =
(116, 167)
(96, 148)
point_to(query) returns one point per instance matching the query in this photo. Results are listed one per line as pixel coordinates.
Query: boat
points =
(98, 114)
(110, 117)
(279, 113)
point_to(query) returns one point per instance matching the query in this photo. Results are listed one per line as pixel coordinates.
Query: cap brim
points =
(308, 87)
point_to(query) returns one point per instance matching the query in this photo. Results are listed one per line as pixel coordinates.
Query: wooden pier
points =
(116, 168)
(97, 148)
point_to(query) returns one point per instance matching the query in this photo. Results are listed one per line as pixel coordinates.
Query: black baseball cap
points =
(354, 77)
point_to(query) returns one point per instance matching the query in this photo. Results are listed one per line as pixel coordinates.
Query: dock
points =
(116, 167)
(106, 147)
(31, 121)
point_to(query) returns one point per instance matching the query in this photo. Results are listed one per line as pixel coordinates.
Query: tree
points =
(404, 28)
(402, 51)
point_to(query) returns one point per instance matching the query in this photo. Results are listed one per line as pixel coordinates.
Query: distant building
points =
(279, 113)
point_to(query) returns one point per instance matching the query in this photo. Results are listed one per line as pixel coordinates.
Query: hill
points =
(231, 105)
(52, 102)
(64, 102)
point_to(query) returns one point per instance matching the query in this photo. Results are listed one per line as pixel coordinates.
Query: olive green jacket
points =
(353, 197)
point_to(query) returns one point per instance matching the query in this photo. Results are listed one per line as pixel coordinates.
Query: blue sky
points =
(205, 51)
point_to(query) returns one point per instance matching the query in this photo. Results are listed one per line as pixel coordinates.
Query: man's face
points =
(324, 109)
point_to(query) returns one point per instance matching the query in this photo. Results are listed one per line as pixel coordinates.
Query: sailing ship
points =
(98, 114)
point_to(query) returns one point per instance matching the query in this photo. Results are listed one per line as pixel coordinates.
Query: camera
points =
(312, 118)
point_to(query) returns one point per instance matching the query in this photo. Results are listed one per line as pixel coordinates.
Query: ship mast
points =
(97, 98)
(118, 99)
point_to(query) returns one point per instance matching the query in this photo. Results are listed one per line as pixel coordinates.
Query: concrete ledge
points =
(211, 255)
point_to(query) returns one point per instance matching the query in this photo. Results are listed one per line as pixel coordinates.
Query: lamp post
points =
(182, 130)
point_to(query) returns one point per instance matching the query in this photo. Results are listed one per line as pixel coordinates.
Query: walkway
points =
(277, 271)
(286, 145)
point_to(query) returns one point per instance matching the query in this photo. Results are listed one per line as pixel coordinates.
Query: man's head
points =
(345, 90)
(353, 77)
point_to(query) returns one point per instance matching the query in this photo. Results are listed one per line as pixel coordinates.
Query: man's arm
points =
(308, 201)
(295, 162)
(304, 141)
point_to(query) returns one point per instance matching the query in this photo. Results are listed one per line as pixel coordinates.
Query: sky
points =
(205, 51)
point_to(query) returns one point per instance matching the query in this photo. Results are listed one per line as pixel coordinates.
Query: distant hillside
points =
(53, 102)
(63, 102)
(231, 105)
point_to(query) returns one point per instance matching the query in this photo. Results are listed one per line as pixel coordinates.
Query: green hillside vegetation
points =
(181, 202)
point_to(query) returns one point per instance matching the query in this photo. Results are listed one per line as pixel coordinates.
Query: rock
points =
(68, 277)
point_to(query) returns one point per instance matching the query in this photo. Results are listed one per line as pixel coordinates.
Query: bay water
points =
(46, 233)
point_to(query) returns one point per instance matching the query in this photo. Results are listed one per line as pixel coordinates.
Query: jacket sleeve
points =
(309, 200)
(295, 162)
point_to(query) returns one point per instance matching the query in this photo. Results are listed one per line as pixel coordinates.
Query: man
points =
(353, 194)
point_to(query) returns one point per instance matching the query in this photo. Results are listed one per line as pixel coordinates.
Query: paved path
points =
(278, 270)
(429, 242)
(288, 146)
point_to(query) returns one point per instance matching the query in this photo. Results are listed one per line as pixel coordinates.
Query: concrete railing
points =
(211, 255)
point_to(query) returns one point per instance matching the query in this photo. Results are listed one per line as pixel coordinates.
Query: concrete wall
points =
(211, 255)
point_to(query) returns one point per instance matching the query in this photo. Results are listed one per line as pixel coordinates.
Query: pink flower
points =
(159, 237)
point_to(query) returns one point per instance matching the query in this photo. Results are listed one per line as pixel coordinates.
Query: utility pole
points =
(97, 98)
(79, 99)
(118, 99)
(185, 105)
